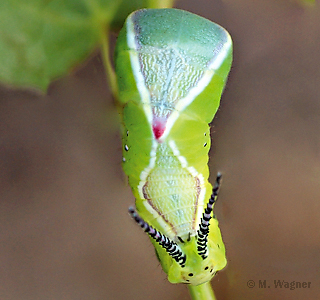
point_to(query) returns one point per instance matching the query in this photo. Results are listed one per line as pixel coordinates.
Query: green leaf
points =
(41, 40)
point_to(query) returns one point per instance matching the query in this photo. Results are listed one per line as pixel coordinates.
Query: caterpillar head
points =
(197, 269)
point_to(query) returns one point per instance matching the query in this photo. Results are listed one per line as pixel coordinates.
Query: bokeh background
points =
(64, 228)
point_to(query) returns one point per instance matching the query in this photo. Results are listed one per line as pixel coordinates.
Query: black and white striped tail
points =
(170, 246)
(203, 230)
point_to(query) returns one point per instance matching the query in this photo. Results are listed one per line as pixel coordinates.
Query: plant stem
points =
(202, 292)
(160, 3)
(111, 76)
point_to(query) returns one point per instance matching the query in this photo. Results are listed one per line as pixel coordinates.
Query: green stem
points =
(202, 292)
(160, 3)
(111, 75)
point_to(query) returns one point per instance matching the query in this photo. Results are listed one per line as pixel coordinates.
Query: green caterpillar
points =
(171, 68)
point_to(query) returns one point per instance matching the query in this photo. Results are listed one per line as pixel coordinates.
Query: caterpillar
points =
(171, 67)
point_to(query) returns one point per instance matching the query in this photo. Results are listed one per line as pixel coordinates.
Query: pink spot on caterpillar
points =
(158, 126)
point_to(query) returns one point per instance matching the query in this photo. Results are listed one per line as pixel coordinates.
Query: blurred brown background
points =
(64, 228)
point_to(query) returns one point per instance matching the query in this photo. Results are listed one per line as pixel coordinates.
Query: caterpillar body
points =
(171, 68)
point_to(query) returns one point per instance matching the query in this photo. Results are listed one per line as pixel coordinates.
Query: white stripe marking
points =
(137, 72)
